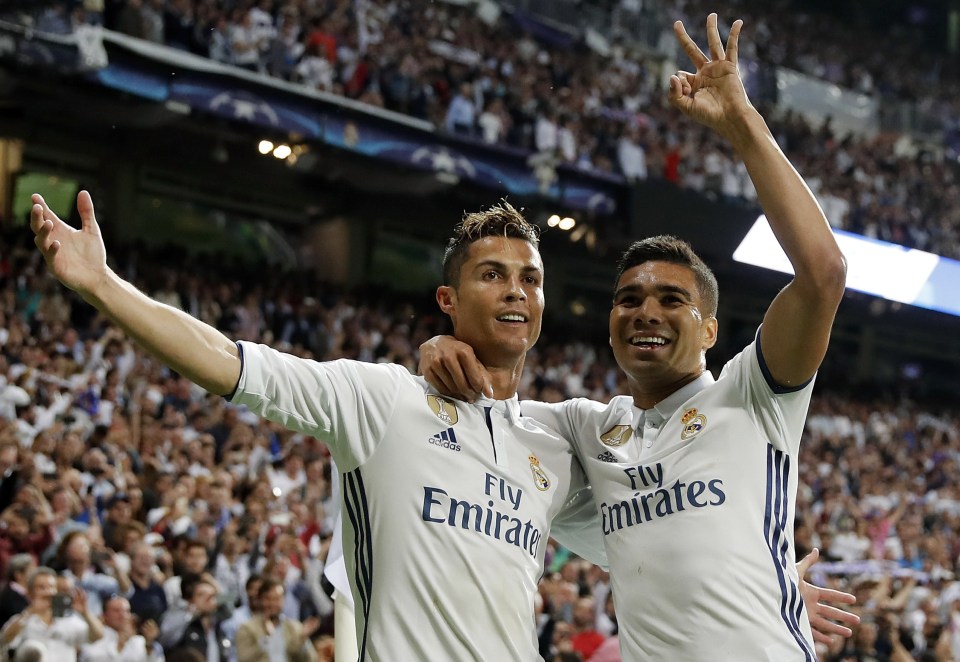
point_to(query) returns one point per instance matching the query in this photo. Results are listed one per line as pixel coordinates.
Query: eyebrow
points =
(529, 268)
(660, 289)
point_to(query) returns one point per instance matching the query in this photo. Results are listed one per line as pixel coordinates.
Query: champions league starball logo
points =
(243, 106)
(441, 159)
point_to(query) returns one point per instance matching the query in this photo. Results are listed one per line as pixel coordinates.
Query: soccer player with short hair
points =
(447, 506)
(695, 478)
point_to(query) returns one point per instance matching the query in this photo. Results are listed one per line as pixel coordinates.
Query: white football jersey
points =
(696, 502)
(446, 506)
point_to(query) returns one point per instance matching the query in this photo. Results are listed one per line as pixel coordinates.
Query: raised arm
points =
(78, 259)
(796, 327)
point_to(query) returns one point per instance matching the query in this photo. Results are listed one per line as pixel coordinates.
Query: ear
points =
(447, 299)
(710, 329)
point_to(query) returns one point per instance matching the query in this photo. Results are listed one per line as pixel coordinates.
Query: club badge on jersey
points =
(540, 479)
(443, 409)
(617, 436)
(693, 423)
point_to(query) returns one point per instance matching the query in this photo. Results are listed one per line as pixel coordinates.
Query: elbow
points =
(829, 275)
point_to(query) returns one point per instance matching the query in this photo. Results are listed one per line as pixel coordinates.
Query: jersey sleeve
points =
(345, 404)
(778, 412)
(577, 525)
(561, 417)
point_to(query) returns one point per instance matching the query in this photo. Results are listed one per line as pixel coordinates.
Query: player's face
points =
(658, 331)
(498, 306)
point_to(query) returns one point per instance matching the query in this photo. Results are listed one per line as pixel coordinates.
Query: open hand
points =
(76, 257)
(825, 620)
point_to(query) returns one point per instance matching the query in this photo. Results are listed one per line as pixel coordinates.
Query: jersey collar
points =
(509, 408)
(669, 405)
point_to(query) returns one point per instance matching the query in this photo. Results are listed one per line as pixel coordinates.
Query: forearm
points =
(96, 627)
(791, 209)
(13, 627)
(196, 350)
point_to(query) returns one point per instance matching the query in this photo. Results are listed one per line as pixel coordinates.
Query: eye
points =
(532, 280)
(628, 301)
(491, 275)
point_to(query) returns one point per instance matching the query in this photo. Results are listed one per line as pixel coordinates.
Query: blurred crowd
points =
(480, 75)
(142, 516)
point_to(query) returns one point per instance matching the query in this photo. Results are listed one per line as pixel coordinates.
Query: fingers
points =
(733, 41)
(689, 46)
(832, 595)
(713, 39)
(808, 561)
(714, 43)
(478, 379)
(821, 638)
(835, 614)
(439, 377)
(85, 207)
(828, 627)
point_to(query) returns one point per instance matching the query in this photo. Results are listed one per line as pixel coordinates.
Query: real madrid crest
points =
(444, 409)
(617, 436)
(693, 423)
(539, 477)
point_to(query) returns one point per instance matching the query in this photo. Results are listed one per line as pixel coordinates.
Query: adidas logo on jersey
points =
(445, 439)
(606, 456)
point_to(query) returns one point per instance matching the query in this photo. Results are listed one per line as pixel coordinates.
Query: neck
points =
(504, 375)
(647, 395)
(505, 381)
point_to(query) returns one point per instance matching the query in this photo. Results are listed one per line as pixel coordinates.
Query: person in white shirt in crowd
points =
(120, 641)
(461, 114)
(631, 155)
(75, 551)
(49, 621)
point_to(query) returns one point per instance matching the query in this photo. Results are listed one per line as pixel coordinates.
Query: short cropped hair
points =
(667, 248)
(502, 219)
(42, 571)
(17, 564)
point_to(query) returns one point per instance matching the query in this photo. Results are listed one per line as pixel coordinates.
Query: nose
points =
(514, 290)
(648, 312)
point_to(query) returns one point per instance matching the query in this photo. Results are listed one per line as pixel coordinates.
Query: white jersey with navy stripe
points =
(696, 501)
(446, 506)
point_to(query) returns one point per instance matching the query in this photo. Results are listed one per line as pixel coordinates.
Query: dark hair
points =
(268, 585)
(499, 220)
(667, 248)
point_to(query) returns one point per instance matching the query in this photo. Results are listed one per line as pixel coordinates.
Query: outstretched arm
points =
(796, 327)
(78, 259)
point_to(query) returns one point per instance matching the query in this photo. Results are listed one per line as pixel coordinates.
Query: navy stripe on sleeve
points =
(776, 387)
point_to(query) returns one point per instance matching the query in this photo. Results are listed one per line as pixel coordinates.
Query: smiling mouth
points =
(513, 318)
(648, 342)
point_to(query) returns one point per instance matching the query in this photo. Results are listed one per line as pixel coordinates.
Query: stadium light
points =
(566, 223)
(553, 221)
(265, 147)
(282, 151)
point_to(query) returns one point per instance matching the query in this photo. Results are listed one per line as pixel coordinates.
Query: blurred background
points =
(289, 170)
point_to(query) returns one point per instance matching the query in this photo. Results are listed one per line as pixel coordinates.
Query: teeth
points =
(649, 340)
(512, 318)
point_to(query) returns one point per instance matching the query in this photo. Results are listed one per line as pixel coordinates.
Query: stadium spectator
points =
(48, 621)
